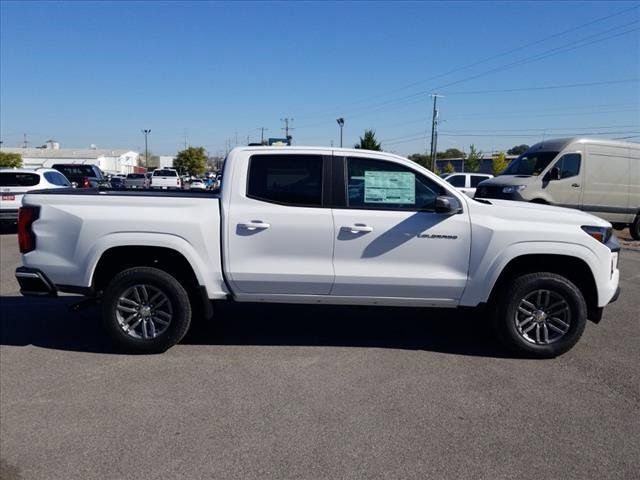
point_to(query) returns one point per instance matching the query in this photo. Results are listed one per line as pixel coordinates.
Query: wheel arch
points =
(118, 258)
(573, 268)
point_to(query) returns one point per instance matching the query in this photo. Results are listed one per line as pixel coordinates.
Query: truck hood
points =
(504, 180)
(539, 213)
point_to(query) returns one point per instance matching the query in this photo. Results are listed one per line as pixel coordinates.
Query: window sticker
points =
(389, 187)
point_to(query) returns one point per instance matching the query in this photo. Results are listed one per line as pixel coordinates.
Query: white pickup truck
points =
(165, 179)
(318, 225)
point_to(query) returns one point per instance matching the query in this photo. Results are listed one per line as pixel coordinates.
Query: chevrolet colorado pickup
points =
(317, 225)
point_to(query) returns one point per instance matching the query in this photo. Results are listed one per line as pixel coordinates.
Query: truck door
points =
(563, 182)
(279, 232)
(390, 242)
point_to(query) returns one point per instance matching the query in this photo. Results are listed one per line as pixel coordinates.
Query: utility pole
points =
(434, 123)
(146, 132)
(286, 126)
(236, 139)
(341, 124)
(262, 129)
(185, 138)
(25, 143)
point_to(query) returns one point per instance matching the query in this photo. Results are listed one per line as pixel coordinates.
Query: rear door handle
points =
(254, 225)
(358, 228)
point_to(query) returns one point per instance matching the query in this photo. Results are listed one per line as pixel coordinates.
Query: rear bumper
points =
(34, 283)
(9, 214)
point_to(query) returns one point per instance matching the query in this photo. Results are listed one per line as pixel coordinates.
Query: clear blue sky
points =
(84, 73)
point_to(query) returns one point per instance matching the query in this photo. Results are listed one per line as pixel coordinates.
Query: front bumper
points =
(34, 283)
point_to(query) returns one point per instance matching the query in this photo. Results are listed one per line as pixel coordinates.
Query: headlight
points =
(602, 234)
(513, 188)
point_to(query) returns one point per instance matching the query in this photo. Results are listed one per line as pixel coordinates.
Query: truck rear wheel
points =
(634, 228)
(145, 310)
(540, 314)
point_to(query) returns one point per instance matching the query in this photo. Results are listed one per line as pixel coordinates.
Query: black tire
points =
(176, 303)
(634, 228)
(509, 321)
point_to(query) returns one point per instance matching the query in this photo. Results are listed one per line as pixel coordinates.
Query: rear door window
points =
(457, 181)
(57, 179)
(294, 180)
(19, 179)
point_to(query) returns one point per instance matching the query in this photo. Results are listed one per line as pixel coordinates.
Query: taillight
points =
(178, 181)
(86, 183)
(26, 237)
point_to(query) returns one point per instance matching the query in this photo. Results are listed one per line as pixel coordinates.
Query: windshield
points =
(19, 179)
(78, 170)
(530, 163)
(165, 173)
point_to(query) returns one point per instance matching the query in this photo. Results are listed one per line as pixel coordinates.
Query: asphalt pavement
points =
(276, 391)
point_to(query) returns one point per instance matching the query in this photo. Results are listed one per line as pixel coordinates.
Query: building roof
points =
(67, 152)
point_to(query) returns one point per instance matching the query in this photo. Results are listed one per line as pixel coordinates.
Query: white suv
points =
(466, 182)
(15, 182)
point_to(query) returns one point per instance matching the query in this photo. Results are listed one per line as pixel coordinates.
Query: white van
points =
(601, 177)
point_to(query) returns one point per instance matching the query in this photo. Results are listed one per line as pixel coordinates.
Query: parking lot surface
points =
(271, 391)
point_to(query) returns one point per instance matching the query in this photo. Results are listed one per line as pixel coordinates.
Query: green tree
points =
(451, 153)
(518, 149)
(420, 159)
(449, 168)
(193, 161)
(499, 163)
(474, 159)
(369, 142)
(10, 160)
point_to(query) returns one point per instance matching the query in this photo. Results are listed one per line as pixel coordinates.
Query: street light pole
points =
(341, 123)
(146, 147)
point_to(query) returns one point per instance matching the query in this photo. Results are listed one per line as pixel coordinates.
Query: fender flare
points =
(481, 285)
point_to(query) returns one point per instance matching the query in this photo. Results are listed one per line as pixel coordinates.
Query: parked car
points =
(165, 178)
(197, 185)
(14, 183)
(285, 230)
(117, 182)
(83, 175)
(136, 180)
(466, 182)
(601, 177)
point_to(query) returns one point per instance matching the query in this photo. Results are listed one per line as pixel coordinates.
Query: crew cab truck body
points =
(315, 225)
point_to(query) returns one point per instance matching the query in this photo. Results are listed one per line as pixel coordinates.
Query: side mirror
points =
(553, 174)
(448, 205)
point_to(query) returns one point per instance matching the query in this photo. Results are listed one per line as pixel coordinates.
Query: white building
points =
(109, 161)
(166, 161)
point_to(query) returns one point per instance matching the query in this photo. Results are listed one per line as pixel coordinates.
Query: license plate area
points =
(8, 197)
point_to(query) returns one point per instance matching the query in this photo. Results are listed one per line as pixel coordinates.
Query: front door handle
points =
(358, 228)
(254, 225)
(576, 185)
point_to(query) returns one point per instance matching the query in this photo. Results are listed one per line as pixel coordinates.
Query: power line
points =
(547, 87)
(547, 53)
(487, 59)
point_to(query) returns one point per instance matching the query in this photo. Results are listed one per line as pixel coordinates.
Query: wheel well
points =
(572, 268)
(117, 259)
(539, 200)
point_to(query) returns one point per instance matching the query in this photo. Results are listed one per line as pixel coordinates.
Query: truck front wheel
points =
(540, 314)
(145, 310)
